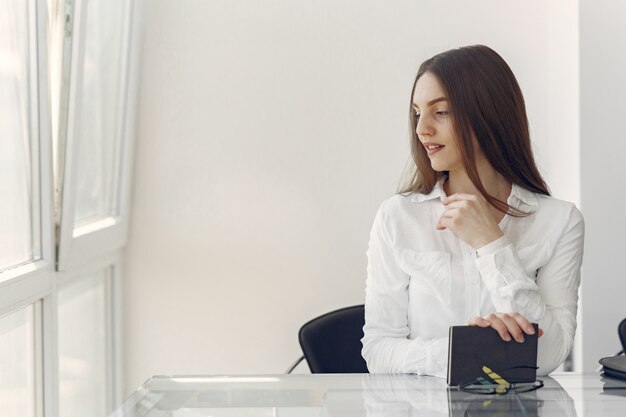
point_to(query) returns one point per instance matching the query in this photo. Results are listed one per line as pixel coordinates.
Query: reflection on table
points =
(365, 395)
(385, 396)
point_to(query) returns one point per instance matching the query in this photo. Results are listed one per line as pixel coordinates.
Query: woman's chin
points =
(439, 167)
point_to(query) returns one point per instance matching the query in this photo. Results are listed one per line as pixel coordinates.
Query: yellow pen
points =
(497, 378)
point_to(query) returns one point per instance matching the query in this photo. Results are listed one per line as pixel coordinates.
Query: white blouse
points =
(421, 280)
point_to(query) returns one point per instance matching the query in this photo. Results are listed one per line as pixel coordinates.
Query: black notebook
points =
(464, 404)
(472, 347)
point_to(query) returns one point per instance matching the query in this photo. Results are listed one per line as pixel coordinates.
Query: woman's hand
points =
(507, 325)
(469, 217)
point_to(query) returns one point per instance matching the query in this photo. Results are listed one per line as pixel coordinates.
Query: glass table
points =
(565, 394)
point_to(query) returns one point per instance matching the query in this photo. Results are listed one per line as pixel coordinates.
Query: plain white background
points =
(268, 134)
(603, 171)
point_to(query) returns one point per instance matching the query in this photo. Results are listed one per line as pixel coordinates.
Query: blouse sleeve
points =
(551, 300)
(386, 346)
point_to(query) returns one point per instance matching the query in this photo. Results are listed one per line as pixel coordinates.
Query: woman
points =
(475, 237)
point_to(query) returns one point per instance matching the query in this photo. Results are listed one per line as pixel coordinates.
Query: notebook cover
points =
(472, 347)
(463, 404)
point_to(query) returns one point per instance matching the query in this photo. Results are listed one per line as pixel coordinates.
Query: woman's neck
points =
(496, 185)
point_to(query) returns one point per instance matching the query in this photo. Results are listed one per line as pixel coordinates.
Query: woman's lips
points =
(433, 150)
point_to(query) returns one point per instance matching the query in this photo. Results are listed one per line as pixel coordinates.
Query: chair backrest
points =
(331, 343)
(621, 330)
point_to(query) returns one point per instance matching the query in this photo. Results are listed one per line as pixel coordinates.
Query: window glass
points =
(98, 129)
(55, 38)
(17, 364)
(19, 242)
(82, 326)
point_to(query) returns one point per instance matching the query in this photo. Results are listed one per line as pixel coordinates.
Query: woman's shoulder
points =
(541, 201)
(402, 201)
(411, 198)
(394, 203)
(403, 210)
(558, 209)
(556, 204)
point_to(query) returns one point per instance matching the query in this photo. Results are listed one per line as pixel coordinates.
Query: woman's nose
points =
(424, 127)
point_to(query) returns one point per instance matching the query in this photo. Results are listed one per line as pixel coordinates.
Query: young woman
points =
(475, 237)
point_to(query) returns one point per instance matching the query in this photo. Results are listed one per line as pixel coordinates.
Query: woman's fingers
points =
(460, 197)
(459, 204)
(507, 325)
(448, 219)
(523, 323)
(500, 327)
(469, 218)
(479, 321)
(451, 213)
(512, 326)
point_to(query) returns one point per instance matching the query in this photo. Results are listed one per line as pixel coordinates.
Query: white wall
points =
(603, 148)
(268, 134)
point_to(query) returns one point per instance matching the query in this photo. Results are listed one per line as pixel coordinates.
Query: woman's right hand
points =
(507, 325)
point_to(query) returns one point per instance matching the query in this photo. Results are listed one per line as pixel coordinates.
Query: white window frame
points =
(96, 245)
(27, 282)
(36, 282)
(112, 262)
(32, 283)
(78, 246)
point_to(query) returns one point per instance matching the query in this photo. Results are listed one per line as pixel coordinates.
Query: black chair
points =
(331, 343)
(621, 331)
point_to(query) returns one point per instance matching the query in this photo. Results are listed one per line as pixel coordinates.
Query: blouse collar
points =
(523, 195)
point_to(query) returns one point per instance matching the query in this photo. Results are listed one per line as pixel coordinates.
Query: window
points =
(95, 159)
(83, 355)
(101, 65)
(19, 173)
(66, 179)
(18, 396)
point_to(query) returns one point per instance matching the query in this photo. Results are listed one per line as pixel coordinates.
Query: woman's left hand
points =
(469, 217)
(507, 325)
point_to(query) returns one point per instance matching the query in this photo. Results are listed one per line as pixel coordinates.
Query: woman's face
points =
(435, 125)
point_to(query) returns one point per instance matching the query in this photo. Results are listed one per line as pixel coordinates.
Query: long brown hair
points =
(485, 102)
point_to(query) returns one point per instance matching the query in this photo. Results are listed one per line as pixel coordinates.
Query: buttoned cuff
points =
(437, 358)
(494, 262)
(503, 275)
(428, 357)
(493, 247)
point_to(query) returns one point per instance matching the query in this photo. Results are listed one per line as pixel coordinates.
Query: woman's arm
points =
(386, 347)
(552, 300)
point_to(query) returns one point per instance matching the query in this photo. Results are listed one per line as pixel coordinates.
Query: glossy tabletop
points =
(566, 394)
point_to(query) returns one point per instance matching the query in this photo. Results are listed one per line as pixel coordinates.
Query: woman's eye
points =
(417, 116)
(441, 113)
